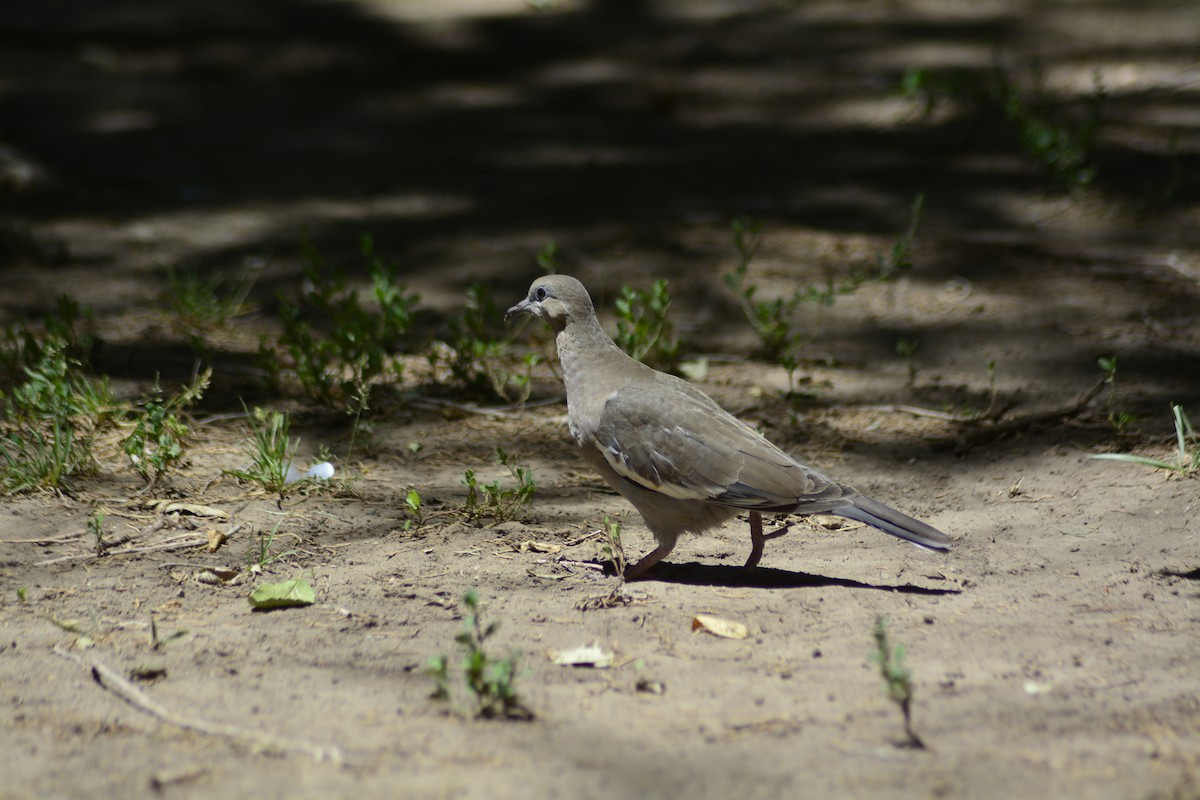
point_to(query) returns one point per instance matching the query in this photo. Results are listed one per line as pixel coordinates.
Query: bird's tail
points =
(889, 520)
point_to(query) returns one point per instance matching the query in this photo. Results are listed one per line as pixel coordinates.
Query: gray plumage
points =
(684, 463)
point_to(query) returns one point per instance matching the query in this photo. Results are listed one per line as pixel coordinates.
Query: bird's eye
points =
(540, 293)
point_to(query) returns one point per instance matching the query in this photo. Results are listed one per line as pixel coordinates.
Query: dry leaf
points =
(215, 539)
(217, 576)
(589, 655)
(175, 507)
(725, 628)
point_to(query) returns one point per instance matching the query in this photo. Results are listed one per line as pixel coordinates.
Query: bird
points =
(685, 463)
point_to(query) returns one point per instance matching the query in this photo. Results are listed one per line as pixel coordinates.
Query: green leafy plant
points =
(67, 329)
(489, 682)
(1187, 444)
(96, 531)
(271, 452)
(201, 303)
(899, 257)
(490, 500)
(156, 443)
(771, 319)
(51, 420)
(547, 258)
(612, 549)
(412, 501)
(337, 360)
(1118, 420)
(644, 330)
(258, 553)
(479, 354)
(897, 678)
(1056, 134)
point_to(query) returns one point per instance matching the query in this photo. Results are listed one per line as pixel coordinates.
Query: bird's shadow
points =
(696, 574)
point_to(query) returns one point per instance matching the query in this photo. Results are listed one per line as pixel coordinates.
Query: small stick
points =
(175, 545)
(108, 678)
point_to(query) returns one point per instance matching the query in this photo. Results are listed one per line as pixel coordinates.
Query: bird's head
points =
(556, 300)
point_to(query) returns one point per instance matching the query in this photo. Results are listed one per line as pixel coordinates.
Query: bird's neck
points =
(583, 349)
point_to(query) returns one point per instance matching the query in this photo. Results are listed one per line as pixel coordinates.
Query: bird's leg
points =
(649, 560)
(758, 538)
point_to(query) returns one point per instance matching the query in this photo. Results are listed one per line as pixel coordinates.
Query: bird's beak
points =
(520, 308)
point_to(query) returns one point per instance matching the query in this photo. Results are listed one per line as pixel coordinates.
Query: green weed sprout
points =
(489, 682)
(203, 303)
(1055, 134)
(644, 330)
(1117, 420)
(899, 257)
(412, 501)
(156, 443)
(897, 678)
(337, 362)
(1187, 444)
(612, 548)
(271, 454)
(478, 352)
(547, 258)
(51, 419)
(490, 500)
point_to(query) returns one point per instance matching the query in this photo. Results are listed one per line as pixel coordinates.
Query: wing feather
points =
(682, 444)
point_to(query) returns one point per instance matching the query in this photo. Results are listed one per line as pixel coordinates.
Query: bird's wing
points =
(680, 443)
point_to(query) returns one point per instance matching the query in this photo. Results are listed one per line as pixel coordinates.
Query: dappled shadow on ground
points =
(612, 117)
(199, 134)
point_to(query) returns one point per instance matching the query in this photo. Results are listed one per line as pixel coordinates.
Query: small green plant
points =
(899, 257)
(271, 453)
(479, 354)
(22, 594)
(96, 531)
(992, 392)
(643, 329)
(490, 500)
(547, 258)
(771, 319)
(258, 552)
(1118, 420)
(488, 681)
(51, 420)
(1187, 447)
(156, 443)
(897, 678)
(67, 329)
(612, 549)
(202, 303)
(337, 361)
(413, 502)
(160, 642)
(1059, 136)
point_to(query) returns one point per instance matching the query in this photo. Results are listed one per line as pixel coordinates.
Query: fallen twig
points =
(973, 434)
(57, 540)
(109, 679)
(189, 541)
(976, 428)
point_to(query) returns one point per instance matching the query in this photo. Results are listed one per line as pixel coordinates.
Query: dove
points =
(681, 460)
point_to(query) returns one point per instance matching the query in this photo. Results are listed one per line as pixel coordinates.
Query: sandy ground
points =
(1053, 649)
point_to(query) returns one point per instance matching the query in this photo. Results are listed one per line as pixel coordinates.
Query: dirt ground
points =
(1054, 649)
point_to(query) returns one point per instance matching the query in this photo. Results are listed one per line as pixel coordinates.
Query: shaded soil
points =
(1053, 650)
